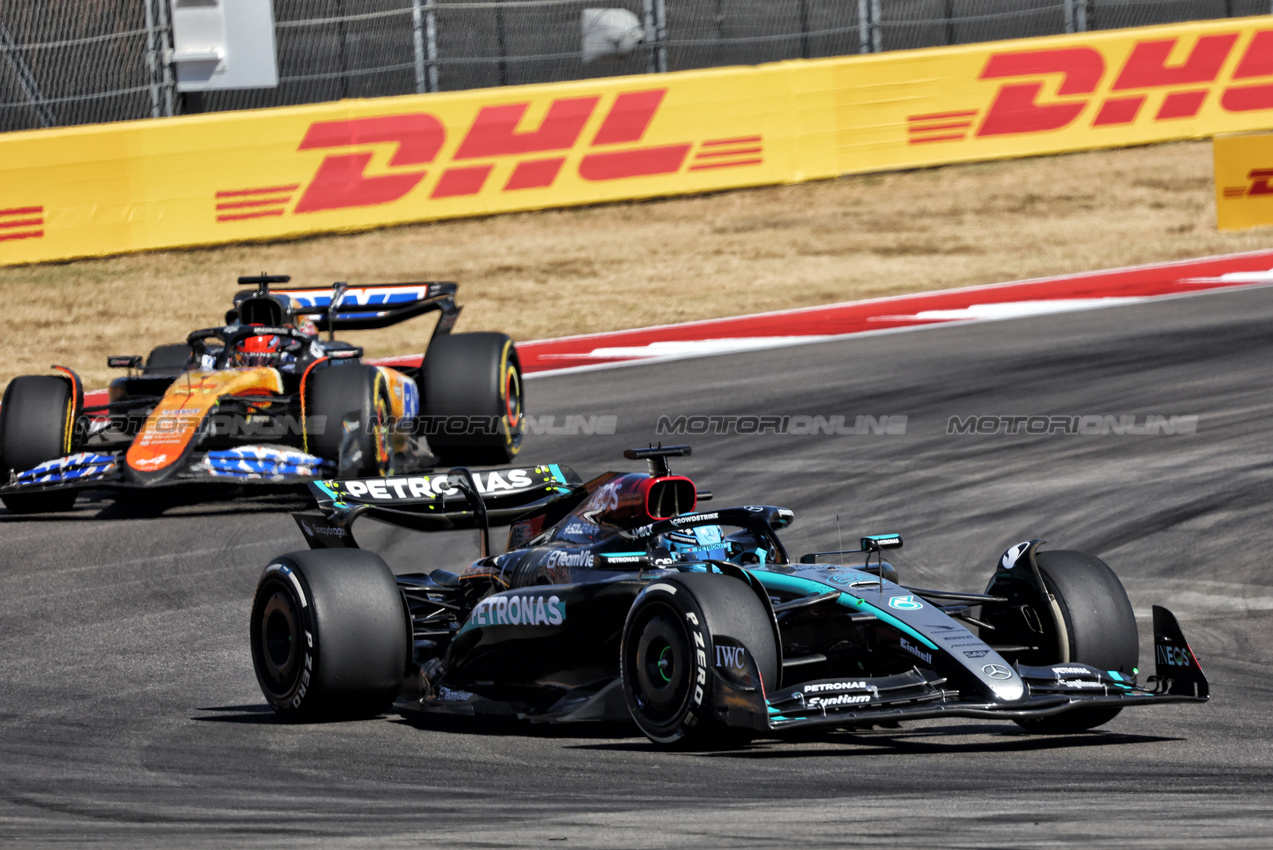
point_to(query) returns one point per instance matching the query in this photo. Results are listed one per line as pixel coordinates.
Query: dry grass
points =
(537, 275)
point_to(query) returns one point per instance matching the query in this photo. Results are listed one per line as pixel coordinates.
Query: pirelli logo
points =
(617, 150)
(1161, 80)
(21, 223)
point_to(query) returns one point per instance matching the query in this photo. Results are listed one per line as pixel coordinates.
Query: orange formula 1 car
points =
(268, 398)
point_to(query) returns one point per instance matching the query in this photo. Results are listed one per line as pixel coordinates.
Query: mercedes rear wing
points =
(441, 501)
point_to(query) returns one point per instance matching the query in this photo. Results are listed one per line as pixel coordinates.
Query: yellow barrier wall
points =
(230, 177)
(1244, 180)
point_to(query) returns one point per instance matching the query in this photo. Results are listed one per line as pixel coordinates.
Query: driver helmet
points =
(258, 350)
(701, 543)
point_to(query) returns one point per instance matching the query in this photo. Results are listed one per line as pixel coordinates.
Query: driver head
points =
(258, 351)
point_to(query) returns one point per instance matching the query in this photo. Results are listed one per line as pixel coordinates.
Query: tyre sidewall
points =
(281, 577)
(353, 633)
(696, 702)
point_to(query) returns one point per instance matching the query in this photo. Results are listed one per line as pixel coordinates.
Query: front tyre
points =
(37, 424)
(473, 398)
(329, 634)
(1099, 629)
(669, 640)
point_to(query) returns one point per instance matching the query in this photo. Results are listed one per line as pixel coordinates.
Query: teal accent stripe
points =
(335, 497)
(809, 587)
(556, 471)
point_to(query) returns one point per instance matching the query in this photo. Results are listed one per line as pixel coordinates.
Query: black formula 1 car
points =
(619, 598)
(266, 399)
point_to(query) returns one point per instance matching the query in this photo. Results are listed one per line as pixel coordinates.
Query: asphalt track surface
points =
(129, 714)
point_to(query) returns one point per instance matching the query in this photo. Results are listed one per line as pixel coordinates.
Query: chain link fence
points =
(65, 62)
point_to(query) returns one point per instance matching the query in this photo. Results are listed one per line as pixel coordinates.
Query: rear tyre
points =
(669, 641)
(37, 423)
(357, 392)
(329, 635)
(172, 359)
(476, 376)
(1100, 630)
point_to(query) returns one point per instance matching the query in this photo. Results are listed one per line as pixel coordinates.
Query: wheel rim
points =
(279, 644)
(662, 665)
(512, 398)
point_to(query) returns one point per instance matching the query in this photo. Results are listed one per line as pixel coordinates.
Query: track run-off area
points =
(130, 715)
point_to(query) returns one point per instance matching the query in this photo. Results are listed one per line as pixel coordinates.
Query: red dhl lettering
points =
(1183, 72)
(496, 134)
(341, 180)
(1259, 183)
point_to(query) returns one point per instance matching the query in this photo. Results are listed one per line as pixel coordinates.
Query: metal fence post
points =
(655, 36)
(417, 43)
(168, 85)
(652, 36)
(153, 59)
(870, 39)
(502, 65)
(431, 42)
(660, 29)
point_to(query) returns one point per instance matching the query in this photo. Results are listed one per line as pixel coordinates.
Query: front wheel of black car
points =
(1099, 629)
(329, 635)
(668, 649)
(37, 423)
(358, 393)
(473, 398)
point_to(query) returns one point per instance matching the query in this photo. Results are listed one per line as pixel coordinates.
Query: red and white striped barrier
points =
(813, 324)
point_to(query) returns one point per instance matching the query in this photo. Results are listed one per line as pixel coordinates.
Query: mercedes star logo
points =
(997, 671)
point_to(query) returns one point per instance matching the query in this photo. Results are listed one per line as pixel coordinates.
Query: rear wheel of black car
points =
(1100, 630)
(358, 393)
(37, 423)
(473, 398)
(329, 635)
(668, 647)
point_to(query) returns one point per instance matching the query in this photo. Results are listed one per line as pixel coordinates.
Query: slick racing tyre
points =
(329, 635)
(473, 398)
(1100, 630)
(669, 646)
(37, 423)
(169, 359)
(356, 392)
